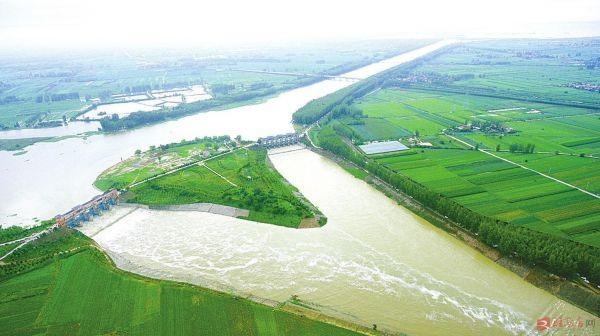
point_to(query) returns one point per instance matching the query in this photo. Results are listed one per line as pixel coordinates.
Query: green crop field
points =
(241, 179)
(529, 69)
(496, 188)
(84, 294)
(566, 144)
(158, 160)
(30, 98)
(557, 131)
(579, 171)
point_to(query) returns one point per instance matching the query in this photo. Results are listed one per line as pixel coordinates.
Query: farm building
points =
(383, 147)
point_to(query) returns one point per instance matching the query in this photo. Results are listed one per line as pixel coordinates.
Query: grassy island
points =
(210, 170)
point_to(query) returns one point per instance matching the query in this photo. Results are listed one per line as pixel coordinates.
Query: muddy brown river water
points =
(374, 261)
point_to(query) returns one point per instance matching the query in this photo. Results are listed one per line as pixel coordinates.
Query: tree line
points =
(555, 254)
(318, 108)
(520, 148)
(56, 97)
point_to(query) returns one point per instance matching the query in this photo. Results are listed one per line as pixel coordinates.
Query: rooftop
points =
(383, 147)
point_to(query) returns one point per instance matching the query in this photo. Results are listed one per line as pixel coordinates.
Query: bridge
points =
(279, 140)
(84, 212)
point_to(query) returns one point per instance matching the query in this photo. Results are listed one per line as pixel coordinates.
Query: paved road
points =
(26, 240)
(201, 164)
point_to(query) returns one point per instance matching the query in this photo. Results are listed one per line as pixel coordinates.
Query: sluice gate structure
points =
(279, 140)
(84, 212)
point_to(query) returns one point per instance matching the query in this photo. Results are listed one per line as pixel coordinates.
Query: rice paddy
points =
(566, 139)
(499, 189)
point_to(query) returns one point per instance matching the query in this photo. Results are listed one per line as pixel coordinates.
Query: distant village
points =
(433, 78)
(584, 86)
(488, 127)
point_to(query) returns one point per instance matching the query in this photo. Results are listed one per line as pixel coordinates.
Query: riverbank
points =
(573, 291)
(317, 219)
(371, 254)
(293, 305)
(98, 298)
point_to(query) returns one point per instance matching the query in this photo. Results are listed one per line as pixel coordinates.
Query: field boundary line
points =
(27, 240)
(201, 164)
(524, 167)
(189, 165)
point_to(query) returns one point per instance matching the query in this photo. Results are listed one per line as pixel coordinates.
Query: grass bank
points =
(78, 291)
(240, 178)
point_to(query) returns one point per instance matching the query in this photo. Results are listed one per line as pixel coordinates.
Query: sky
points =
(81, 23)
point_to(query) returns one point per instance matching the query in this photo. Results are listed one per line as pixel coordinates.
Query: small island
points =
(211, 170)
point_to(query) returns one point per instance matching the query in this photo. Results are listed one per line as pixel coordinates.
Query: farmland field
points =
(158, 160)
(556, 129)
(504, 191)
(525, 69)
(486, 184)
(42, 90)
(84, 294)
(574, 169)
(565, 142)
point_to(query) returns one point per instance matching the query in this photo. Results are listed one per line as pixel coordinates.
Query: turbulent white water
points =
(374, 261)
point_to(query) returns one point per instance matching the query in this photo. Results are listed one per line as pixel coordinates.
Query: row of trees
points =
(318, 108)
(142, 88)
(46, 98)
(557, 255)
(338, 103)
(8, 100)
(520, 148)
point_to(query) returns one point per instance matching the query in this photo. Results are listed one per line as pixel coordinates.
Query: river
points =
(374, 261)
(52, 177)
